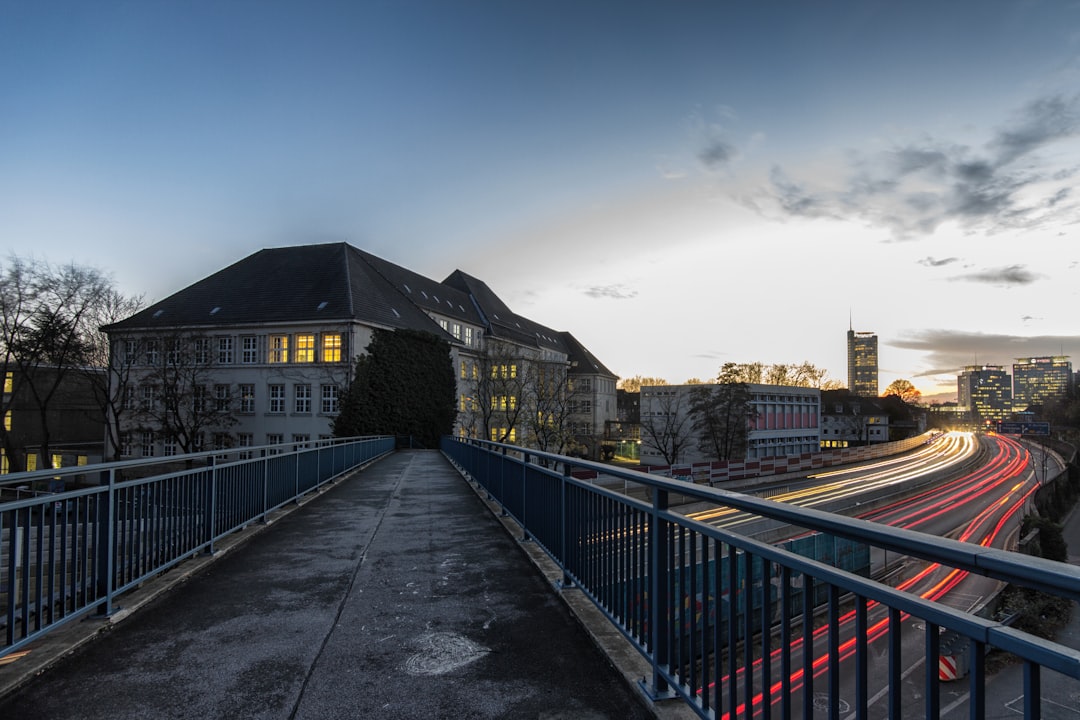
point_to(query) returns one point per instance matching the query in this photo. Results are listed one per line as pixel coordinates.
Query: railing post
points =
(105, 539)
(211, 506)
(524, 504)
(564, 526)
(658, 597)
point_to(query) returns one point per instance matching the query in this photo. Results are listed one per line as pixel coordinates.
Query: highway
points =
(981, 504)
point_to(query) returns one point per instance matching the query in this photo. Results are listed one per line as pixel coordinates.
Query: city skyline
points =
(677, 188)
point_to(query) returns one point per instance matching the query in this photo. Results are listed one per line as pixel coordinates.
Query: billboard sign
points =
(1023, 428)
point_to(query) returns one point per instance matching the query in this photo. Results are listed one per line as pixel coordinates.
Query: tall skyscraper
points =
(862, 372)
(1038, 379)
(986, 391)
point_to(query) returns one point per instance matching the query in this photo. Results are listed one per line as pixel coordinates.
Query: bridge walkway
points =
(393, 594)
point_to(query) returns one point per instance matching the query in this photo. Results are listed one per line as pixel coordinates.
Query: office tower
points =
(986, 391)
(862, 363)
(1038, 379)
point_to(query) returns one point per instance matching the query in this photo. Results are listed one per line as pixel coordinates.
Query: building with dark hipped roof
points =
(261, 351)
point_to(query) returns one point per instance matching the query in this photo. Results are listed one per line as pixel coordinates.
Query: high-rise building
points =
(986, 392)
(1038, 379)
(862, 363)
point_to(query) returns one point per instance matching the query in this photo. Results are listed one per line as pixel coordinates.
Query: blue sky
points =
(679, 184)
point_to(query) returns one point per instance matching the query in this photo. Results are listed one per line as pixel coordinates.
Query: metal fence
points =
(74, 539)
(740, 628)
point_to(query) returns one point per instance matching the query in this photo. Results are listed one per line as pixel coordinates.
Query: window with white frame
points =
(279, 349)
(249, 349)
(153, 355)
(201, 349)
(331, 347)
(305, 348)
(147, 443)
(468, 336)
(169, 446)
(302, 397)
(149, 397)
(247, 398)
(222, 398)
(329, 399)
(225, 351)
(277, 399)
(244, 440)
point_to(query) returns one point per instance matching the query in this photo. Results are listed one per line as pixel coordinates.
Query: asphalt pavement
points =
(396, 593)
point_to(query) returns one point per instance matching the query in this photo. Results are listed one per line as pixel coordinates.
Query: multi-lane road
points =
(971, 488)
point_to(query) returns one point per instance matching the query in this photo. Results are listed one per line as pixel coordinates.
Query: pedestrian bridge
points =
(728, 627)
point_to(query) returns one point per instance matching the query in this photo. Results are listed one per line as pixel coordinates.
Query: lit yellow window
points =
(81, 460)
(7, 420)
(475, 372)
(279, 349)
(463, 371)
(5, 468)
(513, 435)
(495, 434)
(31, 463)
(331, 347)
(305, 348)
(57, 461)
(461, 405)
(9, 382)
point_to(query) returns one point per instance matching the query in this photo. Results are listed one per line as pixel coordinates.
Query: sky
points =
(678, 184)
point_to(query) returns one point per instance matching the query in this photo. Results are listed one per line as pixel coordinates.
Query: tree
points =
(47, 316)
(749, 373)
(177, 395)
(550, 400)
(110, 388)
(404, 385)
(666, 426)
(904, 390)
(634, 384)
(722, 416)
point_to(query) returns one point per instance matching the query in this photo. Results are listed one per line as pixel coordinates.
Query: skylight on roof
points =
(396, 313)
(321, 305)
(158, 313)
(436, 297)
(215, 310)
(407, 288)
(424, 294)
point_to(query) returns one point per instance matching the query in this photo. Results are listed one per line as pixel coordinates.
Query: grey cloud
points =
(914, 188)
(717, 154)
(1042, 121)
(615, 292)
(1009, 275)
(949, 351)
(938, 262)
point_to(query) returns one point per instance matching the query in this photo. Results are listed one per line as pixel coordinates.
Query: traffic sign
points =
(1006, 427)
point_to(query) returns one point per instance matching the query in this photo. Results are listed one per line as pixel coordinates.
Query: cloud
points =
(934, 262)
(914, 187)
(716, 154)
(1006, 276)
(949, 351)
(614, 292)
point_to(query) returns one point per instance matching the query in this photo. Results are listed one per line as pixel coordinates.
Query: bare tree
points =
(722, 415)
(112, 387)
(666, 425)
(498, 405)
(177, 396)
(552, 399)
(46, 316)
(634, 384)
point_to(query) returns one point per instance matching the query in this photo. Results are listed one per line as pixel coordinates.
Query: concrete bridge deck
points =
(393, 594)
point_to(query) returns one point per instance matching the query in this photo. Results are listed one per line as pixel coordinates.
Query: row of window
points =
(149, 443)
(462, 333)
(251, 349)
(32, 461)
(149, 399)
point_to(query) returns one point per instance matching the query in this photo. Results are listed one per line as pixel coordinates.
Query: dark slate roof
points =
(581, 360)
(503, 322)
(338, 282)
(306, 283)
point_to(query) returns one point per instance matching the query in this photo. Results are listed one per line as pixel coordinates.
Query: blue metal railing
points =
(724, 619)
(66, 554)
